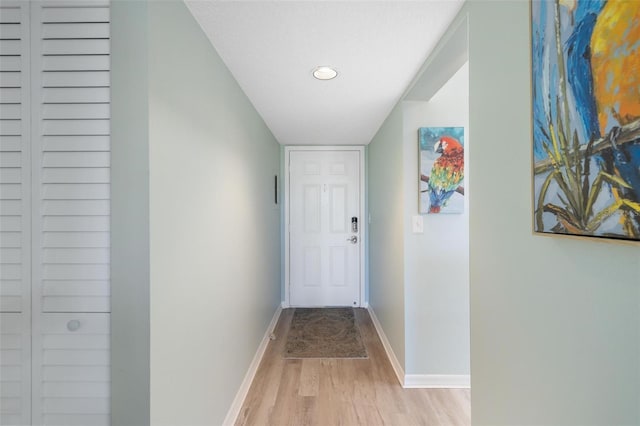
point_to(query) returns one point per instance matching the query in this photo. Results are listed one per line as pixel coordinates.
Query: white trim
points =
(236, 405)
(437, 381)
(397, 367)
(363, 213)
(426, 381)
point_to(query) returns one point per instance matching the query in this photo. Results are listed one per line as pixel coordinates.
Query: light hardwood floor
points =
(328, 392)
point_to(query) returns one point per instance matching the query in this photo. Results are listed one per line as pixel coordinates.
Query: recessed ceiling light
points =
(325, 73)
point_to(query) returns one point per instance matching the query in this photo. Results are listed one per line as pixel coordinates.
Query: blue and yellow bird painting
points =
(586, 107)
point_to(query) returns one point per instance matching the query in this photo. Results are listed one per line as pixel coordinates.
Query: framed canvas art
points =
(441, 169)
(586, 117)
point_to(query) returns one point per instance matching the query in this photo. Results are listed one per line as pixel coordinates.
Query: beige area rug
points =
(324, 333)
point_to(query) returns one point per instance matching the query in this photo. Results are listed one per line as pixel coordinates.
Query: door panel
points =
(54, 212)
(70, 119)
(15, 215)
(324, 195)
(15, 368)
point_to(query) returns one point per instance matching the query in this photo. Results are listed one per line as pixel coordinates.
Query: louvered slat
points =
(75, 47)
(9, 127)
(10, 47)
(92, 13)
(75, 95)
(11, 13)
(10, 78)
(73, 79)
(10, 31)
(11, 240)
(10, 63)
(10, 95)
(76, 240)
(76, 207)
(76, 31)
(77, 111)
(11, 111)
(80, 191)
(77, 143)
(84, 159)
(76, 63)
(75, 127)
(76, 175)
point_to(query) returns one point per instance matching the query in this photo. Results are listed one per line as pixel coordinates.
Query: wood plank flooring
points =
(327, 392)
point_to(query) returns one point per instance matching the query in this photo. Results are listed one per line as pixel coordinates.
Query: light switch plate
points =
(417, 224)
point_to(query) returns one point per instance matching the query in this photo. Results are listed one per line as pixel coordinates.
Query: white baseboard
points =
(437, 381)
(397, 368)
(418, 380)
(285, 305)
(236, 405)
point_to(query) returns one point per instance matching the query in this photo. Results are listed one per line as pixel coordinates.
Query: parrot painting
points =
(447, 172)
(586, 109)
(615, 65)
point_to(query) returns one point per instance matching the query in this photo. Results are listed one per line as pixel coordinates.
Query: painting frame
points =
(441, 170)
(585, 135)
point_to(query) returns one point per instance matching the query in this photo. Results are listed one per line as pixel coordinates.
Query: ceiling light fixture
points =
(325, 73)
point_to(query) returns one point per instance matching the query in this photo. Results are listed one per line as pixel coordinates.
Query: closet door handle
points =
(73, 325)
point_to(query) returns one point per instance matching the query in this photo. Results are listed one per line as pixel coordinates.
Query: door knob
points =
(353, 239)
(73, 325)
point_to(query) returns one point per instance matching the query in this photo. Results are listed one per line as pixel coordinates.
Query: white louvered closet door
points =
(68, 206)
(15, 215)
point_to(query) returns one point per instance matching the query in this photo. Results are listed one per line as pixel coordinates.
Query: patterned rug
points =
(324, 333)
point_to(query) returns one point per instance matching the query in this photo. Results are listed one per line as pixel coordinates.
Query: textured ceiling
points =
(272, 47)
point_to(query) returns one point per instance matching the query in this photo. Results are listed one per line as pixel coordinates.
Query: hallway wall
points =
(419, 284)
(386, 251)
(215, 233)
(555, 322)
(436, 261)
(213, 236)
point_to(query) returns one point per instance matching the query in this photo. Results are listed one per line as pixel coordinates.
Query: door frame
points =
(363, 229)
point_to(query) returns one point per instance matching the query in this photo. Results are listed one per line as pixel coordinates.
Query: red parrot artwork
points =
(447, 172)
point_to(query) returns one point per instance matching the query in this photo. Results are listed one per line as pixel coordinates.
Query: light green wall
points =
(215, 231)
(436, 261)
(386, 251)
(420, 291)
(193, 166)
(129, 215)
(555, 323)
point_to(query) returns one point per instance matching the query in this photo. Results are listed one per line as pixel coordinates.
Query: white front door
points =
(325, 228)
